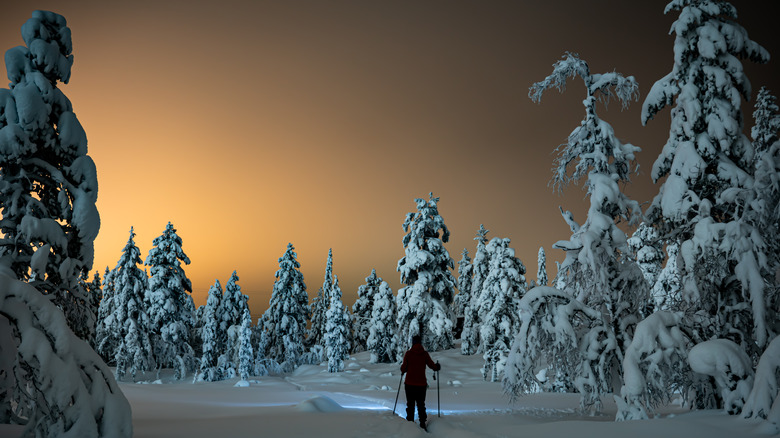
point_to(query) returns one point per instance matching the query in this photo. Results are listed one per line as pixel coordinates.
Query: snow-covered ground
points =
(358, 403)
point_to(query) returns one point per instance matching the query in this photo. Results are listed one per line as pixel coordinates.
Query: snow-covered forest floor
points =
(359, 401)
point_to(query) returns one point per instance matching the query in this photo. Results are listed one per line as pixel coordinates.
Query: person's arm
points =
(431, 364)
(404, 365)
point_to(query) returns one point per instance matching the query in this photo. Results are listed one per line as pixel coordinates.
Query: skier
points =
(415, 385)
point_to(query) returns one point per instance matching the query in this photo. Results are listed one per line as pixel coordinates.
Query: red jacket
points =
(414, 365)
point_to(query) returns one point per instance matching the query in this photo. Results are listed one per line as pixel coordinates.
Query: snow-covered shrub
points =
(550, 337)
(654, 366)
(764, 399)
(730, 367)
(424, 303)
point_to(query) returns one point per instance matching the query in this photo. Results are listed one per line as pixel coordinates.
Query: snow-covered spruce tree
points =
(213, 339)
(320, 304)
(463, 298)
(129, 322)
(541, 271)
(51, 380)
(471, 318)
(424, 303)
(504, 286)
(764, 205)
(284, 322)
(337, 330)
(361, 311)
(94, 294)
(646, 246)
(381, 339)
(233, 305)
(246, 354)
(106, 340)
(169, 304)
(48, 183)
(705, 157)
(597, 267)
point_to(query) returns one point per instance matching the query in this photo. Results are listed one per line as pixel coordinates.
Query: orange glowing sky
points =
(249, 125)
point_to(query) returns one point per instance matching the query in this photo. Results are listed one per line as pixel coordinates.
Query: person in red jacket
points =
(415, 385)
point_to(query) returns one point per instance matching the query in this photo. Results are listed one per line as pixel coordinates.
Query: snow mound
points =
(241, 384)
(319, 404)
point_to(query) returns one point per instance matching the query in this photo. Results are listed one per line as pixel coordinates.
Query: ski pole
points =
(398, 392)
(438, 393)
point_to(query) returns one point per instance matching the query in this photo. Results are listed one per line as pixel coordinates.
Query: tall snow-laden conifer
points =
(361, 311)
(337, 337)
(212, 360)
(52, 381)
(424, 303)
(232, 308)
(246, 354)
(382, 334)
(320, 304)
(706, 162)
(465, 272)
(596, 267)
(503, 288)
(48, 183)
(129, 322)
(284, 322)
(764, 211)
(170, 306)
(541, 268)
(471, 317)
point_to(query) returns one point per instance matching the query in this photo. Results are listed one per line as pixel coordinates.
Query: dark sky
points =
(253, 124)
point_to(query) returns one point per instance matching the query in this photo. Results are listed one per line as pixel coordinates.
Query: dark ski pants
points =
(415, 394)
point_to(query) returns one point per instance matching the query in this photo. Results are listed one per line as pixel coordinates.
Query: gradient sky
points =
(249, 125)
